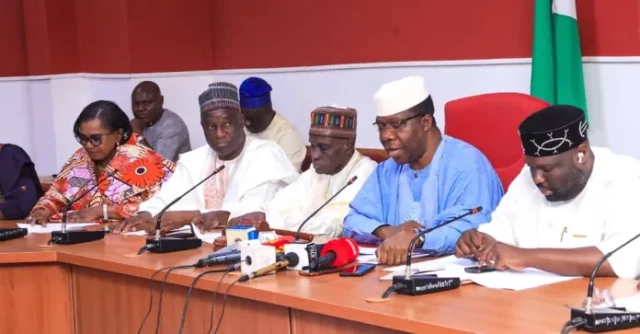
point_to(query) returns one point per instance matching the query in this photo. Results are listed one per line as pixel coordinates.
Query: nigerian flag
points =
(556, 71)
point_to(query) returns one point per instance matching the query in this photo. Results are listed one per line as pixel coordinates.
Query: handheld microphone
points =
(350, 182)
(158, 244)
(219, 258)
(336, 253)
(64, 237)
(604, 319)
(413, 286)
(290, 260)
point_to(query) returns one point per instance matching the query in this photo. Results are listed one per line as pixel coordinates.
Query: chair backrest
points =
(490, 123)
(375, 154)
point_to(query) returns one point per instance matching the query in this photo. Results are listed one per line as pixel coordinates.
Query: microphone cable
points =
(146, 316)
(572, 325)
(193, 284)
(164, 281)
(213, 300)
(224, 304)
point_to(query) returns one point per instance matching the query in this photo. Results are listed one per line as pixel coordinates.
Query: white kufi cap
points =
(400, 95)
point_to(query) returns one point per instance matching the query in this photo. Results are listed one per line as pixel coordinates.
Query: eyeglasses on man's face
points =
(395, 125)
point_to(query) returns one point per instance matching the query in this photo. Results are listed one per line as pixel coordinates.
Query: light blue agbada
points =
(459, 178)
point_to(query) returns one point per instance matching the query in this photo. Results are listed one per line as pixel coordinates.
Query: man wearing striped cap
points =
(334, 162)
(254, 169)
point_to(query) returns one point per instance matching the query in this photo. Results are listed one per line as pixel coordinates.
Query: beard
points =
(575, 183)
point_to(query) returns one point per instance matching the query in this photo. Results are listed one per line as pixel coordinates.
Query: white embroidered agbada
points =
(294, 203)
(602, 215)
(261, 170)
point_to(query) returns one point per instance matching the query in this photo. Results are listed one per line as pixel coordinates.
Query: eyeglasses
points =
(95, 140)
(397, 125)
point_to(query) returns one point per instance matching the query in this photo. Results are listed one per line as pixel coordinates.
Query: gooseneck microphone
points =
(407, 270)
(350, 182)
(603, 319)
(65, 237)
(419, 285)
(158, 244)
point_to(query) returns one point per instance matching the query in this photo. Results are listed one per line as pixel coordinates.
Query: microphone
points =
(336, 253)
(219, 258)
(158, 244)
(290, 260)
(604, 319)
(65, 237)
(408, 285)
(4, 196)
(350, 182)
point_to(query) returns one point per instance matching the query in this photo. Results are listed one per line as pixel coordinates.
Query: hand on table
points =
(39, 217)
(85, 215)
(393, 250)
(472, 243)
(249, 219)
(139, 222)
(502, 256)
(211, 220)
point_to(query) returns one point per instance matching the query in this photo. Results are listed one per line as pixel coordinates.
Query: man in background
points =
(334, 162)
(265, 123)
(161, 129)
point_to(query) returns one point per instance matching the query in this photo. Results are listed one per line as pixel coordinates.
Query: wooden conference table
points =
(101, 287)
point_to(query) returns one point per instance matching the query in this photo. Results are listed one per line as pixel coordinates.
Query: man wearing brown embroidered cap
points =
(334, 162)
(571, 204)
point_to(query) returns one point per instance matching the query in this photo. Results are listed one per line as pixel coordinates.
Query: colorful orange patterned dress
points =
(140, 173)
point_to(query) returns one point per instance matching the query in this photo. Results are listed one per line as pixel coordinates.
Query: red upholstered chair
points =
(490, 123)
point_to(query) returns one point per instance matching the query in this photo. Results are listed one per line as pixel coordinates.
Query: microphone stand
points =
(603, 319)
(423, 284)
(158, 244)
(66, 237)
(350, 182)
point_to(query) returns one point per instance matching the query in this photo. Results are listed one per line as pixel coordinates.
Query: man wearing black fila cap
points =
(571, 204)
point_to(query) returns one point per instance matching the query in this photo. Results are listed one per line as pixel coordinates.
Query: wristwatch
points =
(421, 239)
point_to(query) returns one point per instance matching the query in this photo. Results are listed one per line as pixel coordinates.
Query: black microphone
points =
(350, 182)
(158, 244)
(219, 258)
(604, 319)
(408, 285)
(11, 192)
(65, 237)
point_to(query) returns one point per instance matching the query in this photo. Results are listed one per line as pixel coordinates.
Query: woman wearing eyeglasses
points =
(108, 177)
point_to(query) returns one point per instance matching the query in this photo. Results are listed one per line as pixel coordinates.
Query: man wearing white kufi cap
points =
(429, 179)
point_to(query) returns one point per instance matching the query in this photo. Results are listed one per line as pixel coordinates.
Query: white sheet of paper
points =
(37, 229)
(207, 237)
(368, 250)
(437, 263)
(517, 280)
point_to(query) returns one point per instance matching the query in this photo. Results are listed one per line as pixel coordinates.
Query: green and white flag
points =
(556, 72)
